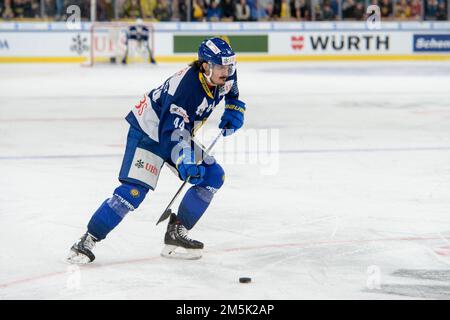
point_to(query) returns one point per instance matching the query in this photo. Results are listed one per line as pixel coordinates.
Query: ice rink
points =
(349, 200)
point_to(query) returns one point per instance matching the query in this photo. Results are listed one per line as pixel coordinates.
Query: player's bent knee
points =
(127, 197)
(214, 177)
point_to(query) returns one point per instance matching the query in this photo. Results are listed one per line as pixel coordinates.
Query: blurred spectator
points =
(3, 7)
(359, 11)
(402, 10)
(270, 10)
(441, 12)
(242, 11)
(252, 6)
(386, 8)
(305, 9)
(294, 6)
(147, 8)
(173, 4)
(132, 9)
(276, 9)
(227, 7)
(260, 14)
(105, 10)
(335, 7)
(162, 11)
(327, 12)
(348, 10)
(285, 12)
(228, 10)
(7, 11)
(431, 9)
(59, 7)
(50, 9)
(198, 10)
(85, 6)
(213, 12)
(25, 9)
(182, 10)
(281, 10)
(416, 9)
(318, 12)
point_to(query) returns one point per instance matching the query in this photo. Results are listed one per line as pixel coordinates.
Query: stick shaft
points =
(167, 212)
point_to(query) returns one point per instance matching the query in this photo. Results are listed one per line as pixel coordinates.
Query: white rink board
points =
(56, 40)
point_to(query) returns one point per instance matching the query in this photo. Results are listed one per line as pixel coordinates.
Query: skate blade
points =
(77, 258)
(170, 251)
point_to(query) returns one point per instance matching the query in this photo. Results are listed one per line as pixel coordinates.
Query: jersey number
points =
(178, 123)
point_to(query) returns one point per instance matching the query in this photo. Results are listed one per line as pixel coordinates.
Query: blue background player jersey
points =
(138, 32)
(184, 101)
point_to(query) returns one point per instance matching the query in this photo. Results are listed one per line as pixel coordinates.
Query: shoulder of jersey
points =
(183, 80)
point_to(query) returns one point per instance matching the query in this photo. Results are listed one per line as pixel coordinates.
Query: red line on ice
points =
(282, 245)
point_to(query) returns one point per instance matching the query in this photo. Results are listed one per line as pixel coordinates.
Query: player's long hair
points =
(198, 65)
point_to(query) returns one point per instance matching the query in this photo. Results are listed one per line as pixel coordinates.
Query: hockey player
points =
(140, 33)
(161, 125)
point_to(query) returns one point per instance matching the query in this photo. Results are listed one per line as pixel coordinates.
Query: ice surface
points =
(358, 207)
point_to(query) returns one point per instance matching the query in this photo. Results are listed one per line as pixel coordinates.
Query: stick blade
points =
(165, 215)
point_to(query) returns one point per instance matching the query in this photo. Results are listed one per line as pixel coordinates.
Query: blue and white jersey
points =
(184, 101)
(138, 32)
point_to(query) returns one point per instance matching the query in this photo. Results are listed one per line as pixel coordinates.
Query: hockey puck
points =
(245, 280)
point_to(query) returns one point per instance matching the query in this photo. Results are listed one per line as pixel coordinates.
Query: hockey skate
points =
(177, 243)
(81, 251)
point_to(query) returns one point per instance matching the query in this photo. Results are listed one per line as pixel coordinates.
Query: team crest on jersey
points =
(179, 111)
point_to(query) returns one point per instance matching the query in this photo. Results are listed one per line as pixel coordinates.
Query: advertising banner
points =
(340, 43)
(240, 43)
(432, 42)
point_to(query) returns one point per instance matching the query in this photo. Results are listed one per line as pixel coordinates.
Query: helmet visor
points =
(225, 70)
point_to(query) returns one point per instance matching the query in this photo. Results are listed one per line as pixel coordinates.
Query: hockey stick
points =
(168, 211)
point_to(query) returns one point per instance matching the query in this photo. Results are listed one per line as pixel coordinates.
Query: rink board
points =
(254, 42)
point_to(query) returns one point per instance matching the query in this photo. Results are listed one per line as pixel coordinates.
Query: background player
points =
(139, 33)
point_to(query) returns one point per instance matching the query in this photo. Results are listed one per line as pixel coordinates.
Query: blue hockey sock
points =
(103, 221)
(126, 198)
(194, 204)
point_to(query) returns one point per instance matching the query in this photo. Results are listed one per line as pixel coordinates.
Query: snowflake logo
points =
(139, 164)
(79, 44)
